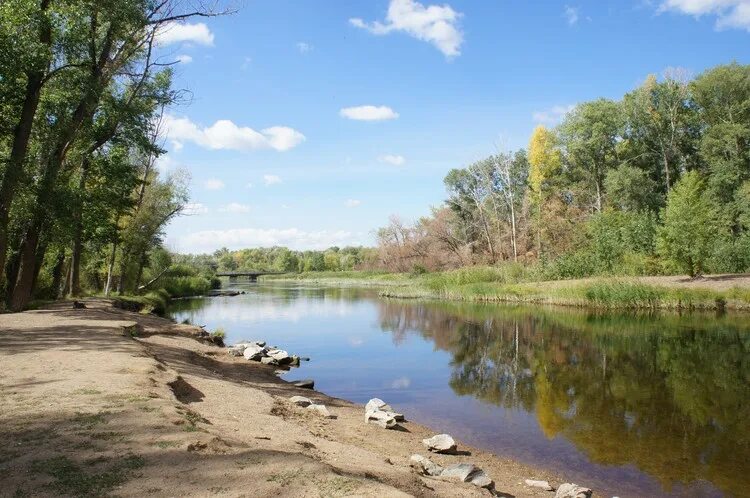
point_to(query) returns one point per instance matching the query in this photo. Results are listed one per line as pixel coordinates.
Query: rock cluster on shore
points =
(307, 403)
(462, 472)
(258, 351)
(380, 413)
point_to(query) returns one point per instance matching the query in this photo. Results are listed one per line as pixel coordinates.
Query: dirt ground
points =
(87, 409)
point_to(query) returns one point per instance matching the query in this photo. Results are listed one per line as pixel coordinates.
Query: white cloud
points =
(271, 180)
(304, 47)
(392, 159)
(355, 342)
(224, 134)
(368, 113)
(184, 59)
(235, 207)
(351, 203)
(249, 185)
(175, 32)
(194, 208)
(571, 14)
(553, 115)
(294, 238)
(401, 383)
(728, 13)
(213, 184)
(434, 24)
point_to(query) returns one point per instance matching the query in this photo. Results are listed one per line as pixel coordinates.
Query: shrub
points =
(690, 227)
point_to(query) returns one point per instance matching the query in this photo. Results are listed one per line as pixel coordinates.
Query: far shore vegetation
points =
(654, 184)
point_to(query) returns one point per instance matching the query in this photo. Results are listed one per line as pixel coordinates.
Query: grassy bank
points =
(513, 284)
(368, 278)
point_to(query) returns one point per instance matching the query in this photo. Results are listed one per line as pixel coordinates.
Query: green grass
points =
(516, 283)
(90, 420)
(375, 278)
(71, 479)
(600, 294)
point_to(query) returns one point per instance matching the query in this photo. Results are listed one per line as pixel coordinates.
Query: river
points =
(629, 405)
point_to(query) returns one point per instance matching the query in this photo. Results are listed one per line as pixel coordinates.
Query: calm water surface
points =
(628, 405)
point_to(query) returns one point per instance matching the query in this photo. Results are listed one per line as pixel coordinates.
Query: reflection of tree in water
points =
(668, 394)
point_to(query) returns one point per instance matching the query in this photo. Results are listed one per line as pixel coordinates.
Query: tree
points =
(544, 161)
(630, 189)
(512, 171)
(722, 97)
(589, 136)
(689, 225)
(661, 128)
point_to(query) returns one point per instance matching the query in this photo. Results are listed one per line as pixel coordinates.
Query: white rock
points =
(467, 472)
(236, 350)
(425, 465)
(441, 443)
(378, 404)
(301, 401)
(569, 490)
(482, 480)
(380, 418)
(279, 355)
(267, 360)
(398, 416)
(539, 484)
(254, 352)
(460, 471)
(321, 410)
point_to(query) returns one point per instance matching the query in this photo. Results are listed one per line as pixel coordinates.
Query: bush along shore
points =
(515, 284)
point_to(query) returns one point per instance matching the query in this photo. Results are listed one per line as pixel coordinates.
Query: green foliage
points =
(186, 286)
(71, 479)
(630, 189)
(615, 294)
(690, 229)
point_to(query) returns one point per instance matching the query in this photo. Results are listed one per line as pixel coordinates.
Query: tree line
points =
(279, 258)
(655, 182)
(82, 89)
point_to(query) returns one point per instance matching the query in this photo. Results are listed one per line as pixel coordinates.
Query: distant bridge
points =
(252, 275)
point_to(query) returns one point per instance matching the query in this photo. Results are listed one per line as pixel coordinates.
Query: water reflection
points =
(667, 394)
(630, 405)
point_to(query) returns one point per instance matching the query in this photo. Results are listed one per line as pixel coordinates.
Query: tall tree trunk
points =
(57, 274)
(139, 275)
(39, 260)
(539, 229)
(27, 267)
(13, 266)
(21, 137)
(45, 191)
(110, 269)
(124, 263)
(75, 272)
(513, 230)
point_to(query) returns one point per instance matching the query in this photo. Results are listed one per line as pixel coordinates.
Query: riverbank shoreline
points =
(678, 293)
(102, 399)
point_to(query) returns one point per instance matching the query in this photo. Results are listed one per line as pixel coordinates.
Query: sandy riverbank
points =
(87, 409)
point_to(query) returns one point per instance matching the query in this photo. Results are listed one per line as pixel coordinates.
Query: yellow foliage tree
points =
(544, 161)
(544, 158)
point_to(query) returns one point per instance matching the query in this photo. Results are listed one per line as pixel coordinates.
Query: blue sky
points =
(312, 122)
